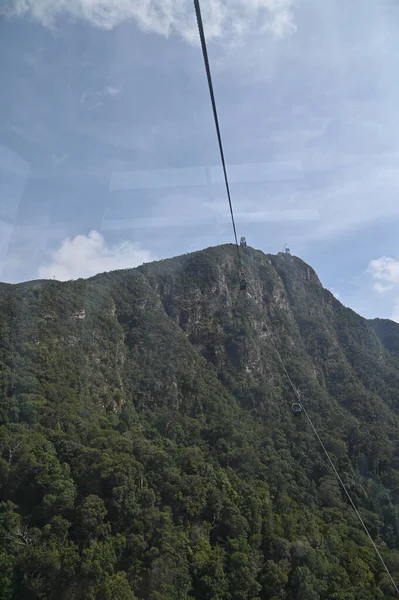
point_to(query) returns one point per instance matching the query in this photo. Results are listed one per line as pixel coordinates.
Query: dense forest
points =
(148, 449)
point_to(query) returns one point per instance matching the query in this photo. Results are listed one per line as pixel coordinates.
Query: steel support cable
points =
(298, 396)
(215, 114)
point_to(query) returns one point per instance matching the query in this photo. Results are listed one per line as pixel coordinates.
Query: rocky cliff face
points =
(147, 410)
(340, 353)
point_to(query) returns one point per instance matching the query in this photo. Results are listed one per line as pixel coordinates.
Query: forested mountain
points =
(148, 447)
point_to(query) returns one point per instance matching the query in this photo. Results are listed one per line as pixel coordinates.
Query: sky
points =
(108, 152)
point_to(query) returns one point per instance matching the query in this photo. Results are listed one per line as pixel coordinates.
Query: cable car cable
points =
(335, 470)
(215, 114)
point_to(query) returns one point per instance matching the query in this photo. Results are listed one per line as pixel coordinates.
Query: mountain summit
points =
(148, 446)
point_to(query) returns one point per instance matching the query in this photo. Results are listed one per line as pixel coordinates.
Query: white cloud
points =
(381, 288)
(222, 18)
(92, 98)
(113, 91)
(86, 255)
(385, 272)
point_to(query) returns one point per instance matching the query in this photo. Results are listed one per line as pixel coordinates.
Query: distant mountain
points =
(148, 446)
(388, 332)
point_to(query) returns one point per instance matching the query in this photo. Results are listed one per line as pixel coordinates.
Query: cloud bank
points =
(87, 255)
(222, 18)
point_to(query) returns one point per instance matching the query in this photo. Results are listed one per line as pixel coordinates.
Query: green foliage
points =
(148, 449)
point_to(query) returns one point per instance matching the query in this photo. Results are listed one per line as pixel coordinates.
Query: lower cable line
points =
(334, 468)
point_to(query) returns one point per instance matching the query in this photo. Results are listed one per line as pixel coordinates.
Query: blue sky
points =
(108, 153)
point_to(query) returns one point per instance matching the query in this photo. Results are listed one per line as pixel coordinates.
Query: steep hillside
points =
(388, 332)
(148, 448)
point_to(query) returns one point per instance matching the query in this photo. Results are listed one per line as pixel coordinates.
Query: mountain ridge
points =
(145, 416)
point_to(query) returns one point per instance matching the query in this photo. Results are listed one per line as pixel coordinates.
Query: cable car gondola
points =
(296, 408)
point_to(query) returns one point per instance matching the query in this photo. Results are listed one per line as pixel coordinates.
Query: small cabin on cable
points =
(243, 242)
(296, 408)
